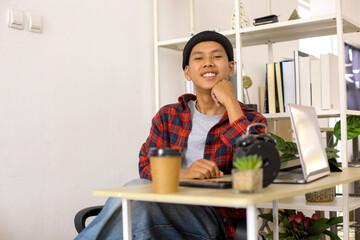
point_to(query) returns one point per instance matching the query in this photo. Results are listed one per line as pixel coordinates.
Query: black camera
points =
(262, 145)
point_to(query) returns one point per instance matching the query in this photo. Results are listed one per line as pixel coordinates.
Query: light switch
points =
(34, 22)
(16, 18)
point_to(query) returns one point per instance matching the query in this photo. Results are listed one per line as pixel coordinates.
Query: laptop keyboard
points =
(293, 176)
(290, 175)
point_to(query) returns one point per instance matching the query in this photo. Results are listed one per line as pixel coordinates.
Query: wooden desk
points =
(226, 197)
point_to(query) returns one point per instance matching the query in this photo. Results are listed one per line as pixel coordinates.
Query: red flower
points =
(291, 217)
(293, 224)
(315, 216)
(298, 218)
(306, 222)
(300, 214)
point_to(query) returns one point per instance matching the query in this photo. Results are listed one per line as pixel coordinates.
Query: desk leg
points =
(346, 217)
(251, 222)
(126, 215)
(275, 220)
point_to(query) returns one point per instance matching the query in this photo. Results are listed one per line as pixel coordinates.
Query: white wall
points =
(350, 9)
(75, 106)
(76, 101)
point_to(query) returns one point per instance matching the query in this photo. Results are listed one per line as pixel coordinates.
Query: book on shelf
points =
(266, 96)
(279, 93)
(297, 56)
(262, 97)
(288, 77)
(270, 76)
(305, 80)
(330, 98)
(315, 77)
(273, 98)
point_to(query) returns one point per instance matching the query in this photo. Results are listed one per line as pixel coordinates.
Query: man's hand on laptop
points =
(201, 169)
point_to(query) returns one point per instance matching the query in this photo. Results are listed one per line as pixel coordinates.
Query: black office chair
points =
(84, 214)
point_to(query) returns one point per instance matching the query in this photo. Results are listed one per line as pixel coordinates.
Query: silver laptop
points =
(313, 159)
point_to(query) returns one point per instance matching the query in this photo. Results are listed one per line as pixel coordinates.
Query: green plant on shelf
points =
(353, 128)
(247, 83)
(251, 162)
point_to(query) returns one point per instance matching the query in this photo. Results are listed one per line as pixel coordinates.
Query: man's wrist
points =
(183, 173)
(234, 111)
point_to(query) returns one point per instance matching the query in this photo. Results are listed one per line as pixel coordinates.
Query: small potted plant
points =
(247, 174)
(247, 83)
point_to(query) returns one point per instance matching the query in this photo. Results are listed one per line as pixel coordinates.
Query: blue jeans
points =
(156, 221)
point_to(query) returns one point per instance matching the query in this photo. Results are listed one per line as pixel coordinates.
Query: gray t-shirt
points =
(201, 125)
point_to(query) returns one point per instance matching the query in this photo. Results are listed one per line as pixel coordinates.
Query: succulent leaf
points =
(251, 162)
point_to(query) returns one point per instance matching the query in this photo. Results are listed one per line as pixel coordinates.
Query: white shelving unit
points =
(321, 114)
(299, 202)
(332, 24)
(278, 32)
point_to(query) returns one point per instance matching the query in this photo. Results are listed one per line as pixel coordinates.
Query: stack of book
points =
(304, 80)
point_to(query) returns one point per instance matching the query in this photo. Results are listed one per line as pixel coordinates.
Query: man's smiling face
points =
(208, 63)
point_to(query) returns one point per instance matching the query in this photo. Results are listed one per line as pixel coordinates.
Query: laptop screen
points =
(309, 142)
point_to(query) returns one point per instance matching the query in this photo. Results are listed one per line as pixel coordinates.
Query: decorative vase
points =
(247, 181)
(244, 17)
(325, 195)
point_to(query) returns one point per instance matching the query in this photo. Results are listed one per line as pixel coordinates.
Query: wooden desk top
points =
(226, 197)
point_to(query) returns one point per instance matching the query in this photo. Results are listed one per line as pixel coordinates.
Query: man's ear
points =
(231, 68)
(187, 73)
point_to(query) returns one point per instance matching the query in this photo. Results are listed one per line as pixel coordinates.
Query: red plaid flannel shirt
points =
(171, 127)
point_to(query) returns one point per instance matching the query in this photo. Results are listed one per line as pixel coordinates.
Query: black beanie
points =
(203, 37)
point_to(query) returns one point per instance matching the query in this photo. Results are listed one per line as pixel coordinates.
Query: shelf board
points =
(177, 44)
(321, 114)
(353, 112)
(279, 32)
(295, 29)
(299, 202)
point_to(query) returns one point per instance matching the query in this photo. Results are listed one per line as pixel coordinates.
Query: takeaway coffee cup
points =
(165, 169)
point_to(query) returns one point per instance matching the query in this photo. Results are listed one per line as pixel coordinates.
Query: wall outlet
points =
(16, 18)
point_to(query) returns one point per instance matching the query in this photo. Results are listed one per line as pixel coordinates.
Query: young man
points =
(205, 127)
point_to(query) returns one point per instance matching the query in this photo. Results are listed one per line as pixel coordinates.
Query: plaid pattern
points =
(171, 127)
